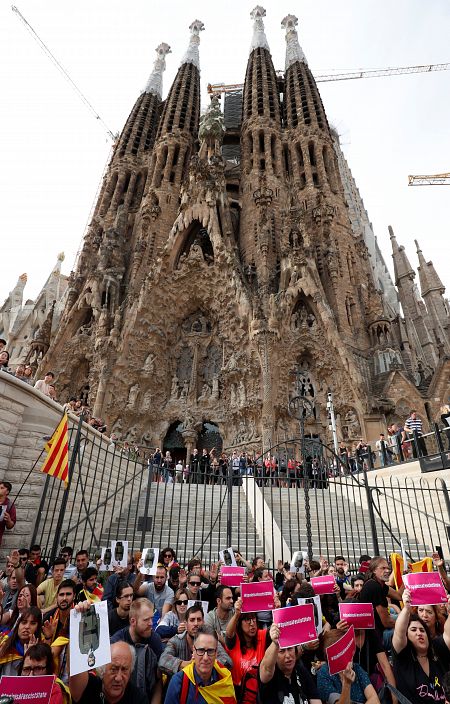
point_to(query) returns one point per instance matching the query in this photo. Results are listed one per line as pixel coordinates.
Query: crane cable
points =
(61, 68)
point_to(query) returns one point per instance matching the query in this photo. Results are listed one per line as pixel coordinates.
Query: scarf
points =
(220, 692)
(15, 650)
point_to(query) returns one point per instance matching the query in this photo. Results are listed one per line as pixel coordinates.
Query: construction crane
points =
(61, 68)
(219, 88)
(433, 180)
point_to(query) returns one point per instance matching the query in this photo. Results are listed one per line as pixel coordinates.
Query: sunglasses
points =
(168, 555)
(194, 584)
(179, 602)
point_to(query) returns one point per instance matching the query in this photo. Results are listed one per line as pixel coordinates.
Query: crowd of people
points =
(183, 636)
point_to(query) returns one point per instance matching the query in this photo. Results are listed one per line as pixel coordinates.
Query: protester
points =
(26, 632)
(119, 617)
(38, 661)
(244, 641)
(175, 620)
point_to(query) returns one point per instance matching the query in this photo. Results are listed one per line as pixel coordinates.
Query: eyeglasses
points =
(194, 584)
(35, 670)
(180, 602)
(205, 651)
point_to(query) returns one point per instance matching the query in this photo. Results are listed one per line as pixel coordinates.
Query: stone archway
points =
(174, 443)
(209, 437)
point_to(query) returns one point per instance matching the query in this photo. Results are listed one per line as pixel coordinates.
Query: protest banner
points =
(228, 557)
(323, 585)
(257, 596)
(341, 653)
(315, 601)
(296, 624)
(89, 638)
(359, 615)
(32, 690)
(426, 588)
(231, 576)
(150, 557)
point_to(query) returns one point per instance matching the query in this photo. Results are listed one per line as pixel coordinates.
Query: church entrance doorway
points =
(174, 443)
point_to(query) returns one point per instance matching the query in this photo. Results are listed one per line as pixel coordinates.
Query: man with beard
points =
(148, 647)
(55, 629)
(178, 651)
(158, 591)
(376, 590)
(219, 617)
(342, 577)
(119, 617)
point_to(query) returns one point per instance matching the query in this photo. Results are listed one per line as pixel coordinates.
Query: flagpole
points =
(62, 511)
(27, 477)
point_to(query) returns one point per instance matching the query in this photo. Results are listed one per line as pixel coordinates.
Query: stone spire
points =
(294, 52)
(428, 277)
(402, 266)
(259, 39)
(192, 56)
(154, 83)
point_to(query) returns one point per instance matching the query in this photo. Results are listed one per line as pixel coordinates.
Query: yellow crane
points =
(432, 180)
(219, 88)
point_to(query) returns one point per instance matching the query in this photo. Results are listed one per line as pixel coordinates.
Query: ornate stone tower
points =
(221, 274)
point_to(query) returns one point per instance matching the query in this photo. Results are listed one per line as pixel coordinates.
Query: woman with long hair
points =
(26, 632)
(417, 668)
(433, 618)
(26, 597)
(174, 620)
(38, 661)
(245, 643)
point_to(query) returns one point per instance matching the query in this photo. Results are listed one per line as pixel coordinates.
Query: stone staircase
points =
(190, 518)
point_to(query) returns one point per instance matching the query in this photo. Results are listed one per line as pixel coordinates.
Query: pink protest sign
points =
(426, 588)
(323, 585)
(231, 576)
(357, 615)
(341, 653)
(257, 596)
(296, 624)
(33, 690)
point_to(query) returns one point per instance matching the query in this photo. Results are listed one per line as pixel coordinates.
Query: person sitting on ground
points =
(140, 630)
(417, 668)
(175, 620)
(36, 568)
(330, 687)
(158, 591)
(26, 597)
(56, 623)
(48, 589)
(120, 574)
(91, 590)
(26, 632)
(203, 679)
(112, 683)
(282, 676)
(245, 643)
(433, 617)
(221, 615)
(119, 617)
(38, 661)
(14, 582)
(178, 650)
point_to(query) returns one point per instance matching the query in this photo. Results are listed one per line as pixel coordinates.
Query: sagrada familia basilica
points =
(230, 266)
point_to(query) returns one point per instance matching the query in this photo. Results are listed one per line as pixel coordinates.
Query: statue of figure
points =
(146, 401)
(233, 395)
(242, 393)
(149, 364)
(188, 422)
(184, 389)
(352, 423)
(132, 395)
(231, 363)
(206, 392)
(146, 439)
(174, 389)
(131, 435)
(117, 429)
(215, 387)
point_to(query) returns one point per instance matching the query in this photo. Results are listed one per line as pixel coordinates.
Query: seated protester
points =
(158, 591)
(168, 558)
(245, 643)
(175, 620)
(71, 570)
(9, 567)
(90, 590)
(26, 597)
(433, 618)
(178, 650)
(38, 661)
(81, 564)
(282, 677)
(417, 669)
(203, 679)
(140, 630)
(201, 587)
(36, 569)
(56, 621)
(112, 683)
(291, 586)
(357, 582)
(264, 617)
(376, 591)
(48, 589)
(220, 616)
(120, 574)
(119, 617)
(330, 687)
(26, 632)
(371, 655)
(11, 593)
(174, 577)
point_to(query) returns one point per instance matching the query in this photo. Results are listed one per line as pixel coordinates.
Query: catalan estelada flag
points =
(397, 568)
(57, 461)
(425, 565)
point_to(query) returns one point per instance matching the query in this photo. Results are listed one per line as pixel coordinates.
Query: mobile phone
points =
(439, 551)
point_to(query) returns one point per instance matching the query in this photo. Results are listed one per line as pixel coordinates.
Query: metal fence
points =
(263, 507)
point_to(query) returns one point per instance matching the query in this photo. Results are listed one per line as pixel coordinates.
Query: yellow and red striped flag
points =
(425, 565)
(57, 461)
(397, 563)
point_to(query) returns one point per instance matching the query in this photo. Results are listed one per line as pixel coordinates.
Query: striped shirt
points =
(412, 424)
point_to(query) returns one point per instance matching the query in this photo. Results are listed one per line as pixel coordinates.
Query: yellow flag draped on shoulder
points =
(56, 463)
(220, 692)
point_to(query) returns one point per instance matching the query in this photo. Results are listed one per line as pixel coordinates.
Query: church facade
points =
(230, 266)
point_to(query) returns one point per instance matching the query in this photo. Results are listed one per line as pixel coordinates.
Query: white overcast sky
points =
(53, 151)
